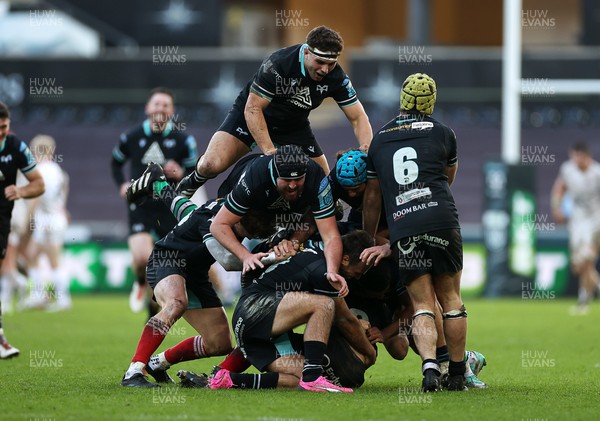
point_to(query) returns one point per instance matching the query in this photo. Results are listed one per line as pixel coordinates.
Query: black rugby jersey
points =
(141, 146)
(256, 189)
(306, 271)
(185, 243)
(14, 155)
(409, 156)
(355, 203)
(283, 80)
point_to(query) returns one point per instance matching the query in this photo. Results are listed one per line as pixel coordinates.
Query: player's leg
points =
(422, 296)
(223, 151)
(60, 278)
(317, 312)
(140, 244)
(281, 358)
(322, 161)
(38, 298)
(6, 350)
(171, 294)
(214, 339)
(447, 288)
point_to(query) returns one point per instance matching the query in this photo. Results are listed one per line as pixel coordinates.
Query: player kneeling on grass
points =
(178, 273)
(287, 295)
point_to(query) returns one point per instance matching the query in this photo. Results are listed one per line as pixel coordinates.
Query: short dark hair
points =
(581, 147)
(354, 243)
(325, 39)
(162, 90)
(4, 113)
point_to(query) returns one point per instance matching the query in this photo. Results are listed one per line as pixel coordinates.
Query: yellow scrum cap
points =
(418, 93)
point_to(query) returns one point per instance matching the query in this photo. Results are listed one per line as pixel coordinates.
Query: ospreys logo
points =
(280, 203)
(302, 98)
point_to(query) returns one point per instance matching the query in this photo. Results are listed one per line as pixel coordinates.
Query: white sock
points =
(38, 286)
(159, 362)
(134, 368)
(61, 285)
(6, 297)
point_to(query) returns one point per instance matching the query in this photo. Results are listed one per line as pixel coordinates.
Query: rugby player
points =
(15, 156)
(51, 220)
(289, 294)
(411, 164)
(285, 183)
(158, 140)
(580, 178)
(273, 109)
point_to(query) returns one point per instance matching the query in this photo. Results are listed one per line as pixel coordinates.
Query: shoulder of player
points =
(133, 134)
(285, 60)
(12, 142)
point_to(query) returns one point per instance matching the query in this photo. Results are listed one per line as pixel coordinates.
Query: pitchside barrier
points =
(105, 268)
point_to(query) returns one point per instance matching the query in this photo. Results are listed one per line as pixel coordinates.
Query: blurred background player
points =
(15, 155)
(50, 222)
(412, 167)
(159, 140)
(580, 178)
(274, 106)
(13, 283)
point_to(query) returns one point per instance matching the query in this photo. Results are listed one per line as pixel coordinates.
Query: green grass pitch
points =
(542, 365)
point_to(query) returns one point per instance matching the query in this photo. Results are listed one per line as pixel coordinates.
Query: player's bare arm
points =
(34, 188)
(357, 116)
(371, 206)
(353, 331)
(255, 119)
(451, 173)
(221, 229)
(332, 241)
(558, 192)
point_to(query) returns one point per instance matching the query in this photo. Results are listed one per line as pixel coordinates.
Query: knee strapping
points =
(423, 313)
(461, 313)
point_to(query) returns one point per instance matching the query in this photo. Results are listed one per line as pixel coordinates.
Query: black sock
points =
(456, 368)
(153, 308)
(255, 381)
(141, 280)
(313, 360)
(441, 354)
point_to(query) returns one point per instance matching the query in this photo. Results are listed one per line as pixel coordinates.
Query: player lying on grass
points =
(287, 295)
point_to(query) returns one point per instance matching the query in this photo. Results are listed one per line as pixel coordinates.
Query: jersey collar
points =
(272, 173)
(148, 131)
(301, 58)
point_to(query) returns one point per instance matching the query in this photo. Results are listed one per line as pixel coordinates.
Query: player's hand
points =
(374, 335)
(338, 282)
(270, 151)
(364, 148)
(123, 188)
(373, 255)
(286, 248)
(173, 170)
(559, 217)
(252, 262)
(12, 193)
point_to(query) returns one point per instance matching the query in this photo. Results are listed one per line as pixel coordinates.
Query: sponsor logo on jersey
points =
(302, 98)
(412, 195)
(311, 148)
(169, 143)
(142, 142)
(154, 154)
(422, 125)
(6, 158)
(322, 88)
